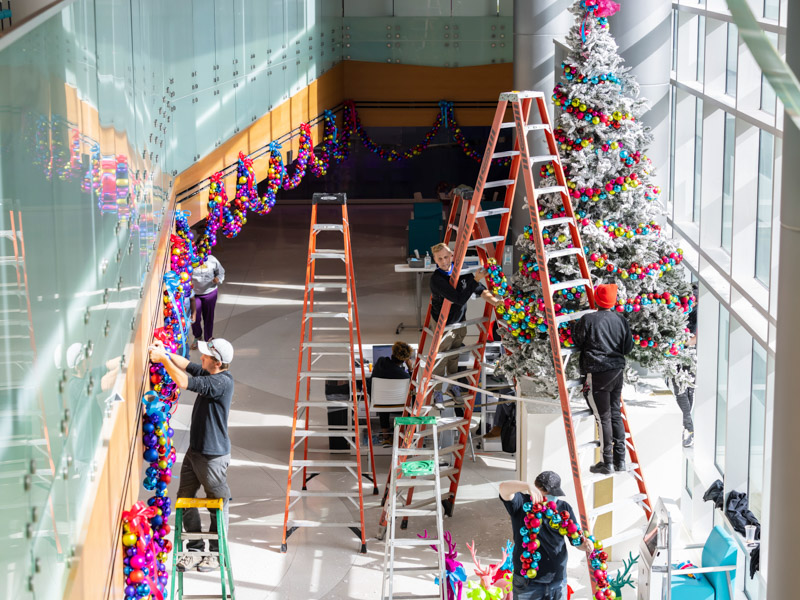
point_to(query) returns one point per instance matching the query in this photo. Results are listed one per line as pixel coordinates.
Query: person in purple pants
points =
(205, 280)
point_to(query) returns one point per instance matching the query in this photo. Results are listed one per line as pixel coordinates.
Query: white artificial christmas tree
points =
(610, 179)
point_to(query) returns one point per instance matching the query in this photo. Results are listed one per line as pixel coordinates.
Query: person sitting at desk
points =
(396, 366)
(441, 290)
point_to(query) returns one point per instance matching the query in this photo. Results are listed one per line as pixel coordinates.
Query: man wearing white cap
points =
(209, 454)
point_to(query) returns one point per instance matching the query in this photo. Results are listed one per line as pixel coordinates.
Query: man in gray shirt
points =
(209, 454)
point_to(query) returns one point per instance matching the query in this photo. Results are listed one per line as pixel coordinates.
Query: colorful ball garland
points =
(144, 565)
(496, 280)
(583, 112)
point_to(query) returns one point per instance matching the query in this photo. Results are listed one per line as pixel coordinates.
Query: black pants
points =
(685, 401)
(603, 392)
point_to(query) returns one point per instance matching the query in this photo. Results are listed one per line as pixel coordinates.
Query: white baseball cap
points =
(218, 349)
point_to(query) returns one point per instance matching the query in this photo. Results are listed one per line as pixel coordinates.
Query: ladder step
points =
(325, 374)
(458, 351)
(326, 286)
(330, 277)
(444, 425)
(320, 328)
(330, 354)
(484, 241)
(324, 433)
(327, 315)
(624, 502)
(416, 568)
(328, 227)
(304, 523)
(595, 477)
(326, 345)
(499, 183)
(573, 316)
(316, 494)
(628, 534)
(336, 255)
(556, 221)
(562, 252)
(505, 154)
(466, 323)
(410, 596)
(409, 483)
(199, 536)
(588, 446)
(325, 403)
(532, 127)
(489, 213)
(411, 542)
(543, 158)
(563, 285)
(551, 189)
(414, 512)
(425, 452)
(324, 463)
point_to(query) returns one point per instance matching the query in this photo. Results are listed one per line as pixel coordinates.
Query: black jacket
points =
(604, 338)
(441, 290)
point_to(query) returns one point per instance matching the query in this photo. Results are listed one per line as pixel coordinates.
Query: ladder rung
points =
(414, 512)
(328, 227)
(465, 374)
(499, 183)
(457, 351)
(623, 536)
(489, 213)
(324, 433)
(562, 252)
(429, 452)
(320, 328)
(326, 344)
(466, 323)
(505, 154)
(416, 568)
(327, 315)
(411, 596)
(588, 446)
(412, 542)
(543, 158)
(606, 508)
(563, 285)
(407, 483)
(325, 374)
(325, 286)
(325, 403)
(444, 425)
(325, 494)
(199, 536)
(487, 240)
(324, 463)
(573, 316)
(556, 221)
(330, 277)
(550, 189)
(330, 354)
(336, 255)
(304, 523)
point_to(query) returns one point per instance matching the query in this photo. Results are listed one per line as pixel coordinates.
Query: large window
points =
(766, 158)
(758, 411)
(772, 9)
(732, 60)
(768, 96)
(698, 160)
(727, 181)
(722, 390)
(701, 47)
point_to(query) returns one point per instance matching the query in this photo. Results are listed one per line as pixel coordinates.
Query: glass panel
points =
(727, 180)
(701, 48)
(772, 9)
(698, 160)
(768, 96)
(722, 390)
(673, 125)
(674, 39)
(766, 158)
(732, 60)
(758, 410)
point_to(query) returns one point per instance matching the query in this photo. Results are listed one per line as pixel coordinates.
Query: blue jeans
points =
(530, 590)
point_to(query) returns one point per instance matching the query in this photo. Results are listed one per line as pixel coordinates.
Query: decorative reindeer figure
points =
(454, 571)
(494, 583)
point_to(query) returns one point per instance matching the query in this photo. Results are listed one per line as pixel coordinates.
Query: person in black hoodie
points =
(441, 290)
(604, 338)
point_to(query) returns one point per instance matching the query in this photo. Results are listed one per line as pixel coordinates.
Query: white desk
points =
(419, 272)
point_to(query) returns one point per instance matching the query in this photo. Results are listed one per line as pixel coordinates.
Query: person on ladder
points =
(441, 290)
(604, 338)
(209, 454)
(550, 580)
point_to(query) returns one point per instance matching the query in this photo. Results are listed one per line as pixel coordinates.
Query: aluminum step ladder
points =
(320, 317)
(225, 568)
(420, 467)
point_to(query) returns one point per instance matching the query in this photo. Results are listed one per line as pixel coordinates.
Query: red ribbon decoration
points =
(137, 518)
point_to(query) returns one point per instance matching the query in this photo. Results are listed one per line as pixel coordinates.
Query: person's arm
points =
(509, 488)
(627, 343)
(488, 297)
(579, 333)
(219, 272)
(440, 286)
(174, 364)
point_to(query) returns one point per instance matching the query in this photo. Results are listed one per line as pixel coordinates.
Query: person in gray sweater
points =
(205, 279)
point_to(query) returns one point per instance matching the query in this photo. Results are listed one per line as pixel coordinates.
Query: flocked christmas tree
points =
(610, 180)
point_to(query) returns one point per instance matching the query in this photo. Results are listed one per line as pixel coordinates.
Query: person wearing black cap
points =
(550, 582)
(209, 454)
(604, 338)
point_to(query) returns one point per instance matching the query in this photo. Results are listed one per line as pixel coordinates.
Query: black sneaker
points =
(601, 468)
(619, 466)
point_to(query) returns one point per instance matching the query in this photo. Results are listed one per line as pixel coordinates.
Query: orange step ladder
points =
(472, 232)
(312, 351)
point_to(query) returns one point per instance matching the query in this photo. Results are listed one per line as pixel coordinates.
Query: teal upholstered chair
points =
(714, 580)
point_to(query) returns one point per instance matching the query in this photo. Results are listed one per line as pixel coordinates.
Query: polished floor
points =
(259, 311)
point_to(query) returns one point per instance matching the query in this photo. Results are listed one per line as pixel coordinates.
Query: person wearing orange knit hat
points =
(604, 338)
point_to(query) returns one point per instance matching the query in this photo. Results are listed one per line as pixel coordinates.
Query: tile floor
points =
(259, 311)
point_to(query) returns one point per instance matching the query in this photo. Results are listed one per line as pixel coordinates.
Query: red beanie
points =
(605, 296)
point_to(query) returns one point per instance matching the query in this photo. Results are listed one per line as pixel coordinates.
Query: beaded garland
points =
(496, 280)
(581, 111)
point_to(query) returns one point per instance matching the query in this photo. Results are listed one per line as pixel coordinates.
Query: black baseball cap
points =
(550, 483)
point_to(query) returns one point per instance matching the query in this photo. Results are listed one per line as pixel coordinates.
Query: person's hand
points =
(216, 280)
(157, 354)
(692, 341)
(536, 495)
(480, 274)
(157, 344)
(587, 545)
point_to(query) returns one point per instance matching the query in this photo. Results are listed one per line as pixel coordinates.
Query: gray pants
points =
(450, 341)
(210, 472)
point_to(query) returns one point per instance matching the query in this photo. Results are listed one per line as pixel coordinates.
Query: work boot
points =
(601, 468)
(688, 438)
(619, 466)
(494, 432)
